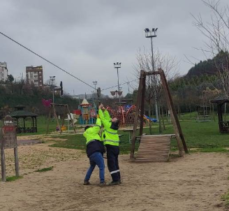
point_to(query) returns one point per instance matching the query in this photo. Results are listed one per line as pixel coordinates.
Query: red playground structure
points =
(124, 113)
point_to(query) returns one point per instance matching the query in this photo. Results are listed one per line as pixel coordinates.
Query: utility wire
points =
(47, 60)
(58, 66)
(119, 85)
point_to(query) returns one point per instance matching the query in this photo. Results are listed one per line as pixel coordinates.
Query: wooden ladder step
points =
(154, 148)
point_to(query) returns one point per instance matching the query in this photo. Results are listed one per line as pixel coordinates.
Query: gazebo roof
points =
(220, 99)
(22, 113)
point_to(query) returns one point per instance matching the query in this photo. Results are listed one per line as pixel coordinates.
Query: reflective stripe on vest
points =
(111, 141)
(111, 132)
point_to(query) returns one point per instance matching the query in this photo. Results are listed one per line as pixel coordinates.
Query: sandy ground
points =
(193, 183)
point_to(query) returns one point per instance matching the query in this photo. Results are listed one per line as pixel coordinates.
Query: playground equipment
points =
(124, 113)
(86, 113)
(154, 143)
(59, 111)
(8, 139)
(149, 119)
(71, 118)
(154, 148)
(203, 113)
(221, 102)
(204, 110)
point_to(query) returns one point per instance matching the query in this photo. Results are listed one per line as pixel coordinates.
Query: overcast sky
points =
(85, 37)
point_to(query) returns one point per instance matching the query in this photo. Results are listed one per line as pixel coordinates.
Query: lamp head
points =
(117, 65)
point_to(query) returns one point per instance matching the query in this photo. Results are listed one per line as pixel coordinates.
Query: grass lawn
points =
(202, 135)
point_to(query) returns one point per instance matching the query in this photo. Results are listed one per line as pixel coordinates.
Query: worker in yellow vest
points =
(95, 150)
(111, 141)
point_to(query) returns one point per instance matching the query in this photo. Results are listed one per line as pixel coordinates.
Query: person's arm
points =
(105, 122)
(107, 115)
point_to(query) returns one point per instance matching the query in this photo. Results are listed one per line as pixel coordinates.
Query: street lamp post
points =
(52, 79)
(151, 34)
(94, 93)
(95, 83)
(117, 65)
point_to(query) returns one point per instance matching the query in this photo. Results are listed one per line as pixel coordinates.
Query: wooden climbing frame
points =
(140, 107)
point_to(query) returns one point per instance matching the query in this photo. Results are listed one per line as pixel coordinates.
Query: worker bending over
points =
(95, 150)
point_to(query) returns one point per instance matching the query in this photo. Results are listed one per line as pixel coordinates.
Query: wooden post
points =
(3, 161)
(16, 161)
(50, 111)
(3, 164)
(24, 125)
(8, 139)
(220, 117)
(136, 115)
(142, 104)
(36, 123)
(174, 118)
(54, 112)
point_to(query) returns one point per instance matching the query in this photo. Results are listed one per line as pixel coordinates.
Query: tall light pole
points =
(94, 94)
(151, 34)
(117, 65)
(95, 83)
(52, 80)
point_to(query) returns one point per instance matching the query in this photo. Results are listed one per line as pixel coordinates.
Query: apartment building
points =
(34, 75)
(3, 71)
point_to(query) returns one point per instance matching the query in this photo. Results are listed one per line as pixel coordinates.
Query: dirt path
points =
(193, 183)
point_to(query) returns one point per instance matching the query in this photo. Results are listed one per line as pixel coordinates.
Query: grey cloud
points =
(86, 37)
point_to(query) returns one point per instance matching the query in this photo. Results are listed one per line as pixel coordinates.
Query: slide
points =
(150, 119)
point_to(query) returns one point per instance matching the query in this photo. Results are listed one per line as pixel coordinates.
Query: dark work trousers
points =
(112, 162)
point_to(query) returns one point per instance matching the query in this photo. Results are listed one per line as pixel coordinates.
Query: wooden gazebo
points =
(22, 116)
(220, 101)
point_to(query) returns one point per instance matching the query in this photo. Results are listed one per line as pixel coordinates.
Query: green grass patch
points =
(13, 178)
(203, 136)
(210, 150)
(45, 169)
(225, 198)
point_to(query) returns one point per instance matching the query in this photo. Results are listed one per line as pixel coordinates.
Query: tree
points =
(216, 31)
(10, 78)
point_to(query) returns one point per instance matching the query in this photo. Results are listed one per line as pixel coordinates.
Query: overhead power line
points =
(58, 66)
(47, 60)
(119, 85)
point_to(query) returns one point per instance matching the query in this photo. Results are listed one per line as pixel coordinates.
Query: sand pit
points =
(195, 182)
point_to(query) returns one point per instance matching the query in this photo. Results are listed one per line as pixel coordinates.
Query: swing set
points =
(155, 147)
(62, 111)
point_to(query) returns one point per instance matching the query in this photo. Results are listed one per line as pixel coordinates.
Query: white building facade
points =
(3, 71)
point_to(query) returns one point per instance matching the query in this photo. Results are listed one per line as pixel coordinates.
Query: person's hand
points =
(101, 106)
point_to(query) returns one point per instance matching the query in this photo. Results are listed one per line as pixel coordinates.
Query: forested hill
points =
(210, 66)
(20, 93)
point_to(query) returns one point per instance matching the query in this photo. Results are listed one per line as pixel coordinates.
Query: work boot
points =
(114, 183)
(102, 184)
(86, 183)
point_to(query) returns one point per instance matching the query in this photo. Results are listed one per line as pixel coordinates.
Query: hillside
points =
(210, 66)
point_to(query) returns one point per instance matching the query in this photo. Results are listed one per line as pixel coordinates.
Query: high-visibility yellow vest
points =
(92, 133)
(109, 135)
